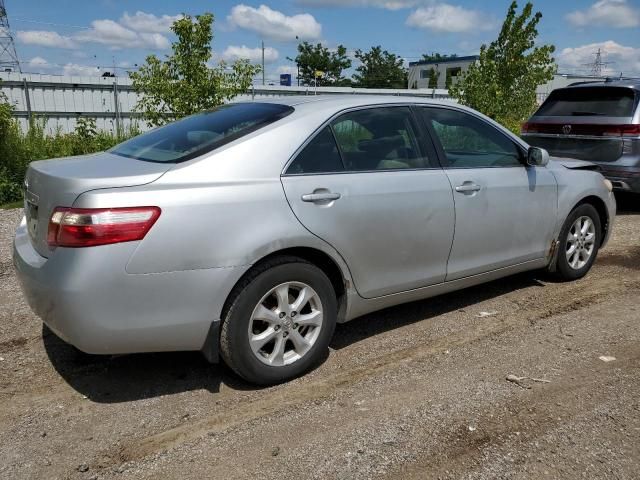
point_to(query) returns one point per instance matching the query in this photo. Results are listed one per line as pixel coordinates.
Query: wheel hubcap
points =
(275, 338)
(581, 241)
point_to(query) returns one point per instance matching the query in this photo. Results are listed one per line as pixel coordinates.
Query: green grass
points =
(9, 206)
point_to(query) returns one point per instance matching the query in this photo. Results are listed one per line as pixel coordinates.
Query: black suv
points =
(594, 121)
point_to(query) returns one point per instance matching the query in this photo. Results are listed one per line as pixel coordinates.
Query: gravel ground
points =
(417, 391)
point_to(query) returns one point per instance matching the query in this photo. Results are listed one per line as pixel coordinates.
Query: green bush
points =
(18, 148)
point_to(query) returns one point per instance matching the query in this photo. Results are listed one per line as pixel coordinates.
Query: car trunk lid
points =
(588, 123)
(58, 182)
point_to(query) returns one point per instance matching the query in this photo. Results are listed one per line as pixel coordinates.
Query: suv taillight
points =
(87, 227)
(528, 127)
(621, 130)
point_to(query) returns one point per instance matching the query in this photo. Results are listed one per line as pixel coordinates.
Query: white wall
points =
(440, 68)
(61, 100)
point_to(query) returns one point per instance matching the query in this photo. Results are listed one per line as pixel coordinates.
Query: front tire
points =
(580, 240)
(280, 321)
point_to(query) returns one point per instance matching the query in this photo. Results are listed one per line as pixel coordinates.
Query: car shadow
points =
(399, 316)
(124, 378)
(628, 203)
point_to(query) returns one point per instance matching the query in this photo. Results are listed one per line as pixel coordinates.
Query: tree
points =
(433, 78)
(502, 83)
(380, 69)
(436, 57)
(183, 83)
(433, 72)
(328, 64)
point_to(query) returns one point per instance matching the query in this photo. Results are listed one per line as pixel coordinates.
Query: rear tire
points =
(280, 321)
(579, 242)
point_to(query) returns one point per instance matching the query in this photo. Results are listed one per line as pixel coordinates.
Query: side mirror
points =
(537, 157)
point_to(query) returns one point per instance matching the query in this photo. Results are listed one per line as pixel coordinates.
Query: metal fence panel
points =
(60, 100)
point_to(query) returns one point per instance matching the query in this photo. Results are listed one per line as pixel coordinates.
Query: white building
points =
(445, 72)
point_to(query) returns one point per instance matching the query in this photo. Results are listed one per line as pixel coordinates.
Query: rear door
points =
(505, 211)
(593, 123)
(377, 197)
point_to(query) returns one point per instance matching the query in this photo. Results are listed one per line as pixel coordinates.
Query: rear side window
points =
(379, 139)
(201, 133)
(319, 156)
(589, 101)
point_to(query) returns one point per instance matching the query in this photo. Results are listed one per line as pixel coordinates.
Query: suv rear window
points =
(589, 101)
(201, 133)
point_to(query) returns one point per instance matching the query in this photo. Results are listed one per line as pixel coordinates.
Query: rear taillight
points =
(87, 227)
(528, 127)
(621, 130)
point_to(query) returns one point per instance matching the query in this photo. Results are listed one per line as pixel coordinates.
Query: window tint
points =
(319, 156)
(589, 101)
(201, 133)
(378, 139)
(469, 142)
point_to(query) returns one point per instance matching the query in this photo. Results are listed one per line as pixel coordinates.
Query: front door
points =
(376, 198)
(505, 211)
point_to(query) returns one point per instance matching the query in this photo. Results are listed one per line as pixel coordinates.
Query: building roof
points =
(468, 58)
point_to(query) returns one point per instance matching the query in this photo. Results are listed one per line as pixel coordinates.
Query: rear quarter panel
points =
(221, 210)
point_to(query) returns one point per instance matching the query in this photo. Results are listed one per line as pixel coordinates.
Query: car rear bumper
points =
(85, 296)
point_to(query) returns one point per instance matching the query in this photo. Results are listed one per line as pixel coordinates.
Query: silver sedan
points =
(250, 230)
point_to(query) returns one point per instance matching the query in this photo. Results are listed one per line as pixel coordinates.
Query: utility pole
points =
(596, 66)
(263, 62)
(8, 57)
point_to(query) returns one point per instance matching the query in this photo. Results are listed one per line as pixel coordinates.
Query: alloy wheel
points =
(581, 241)
(285, 324)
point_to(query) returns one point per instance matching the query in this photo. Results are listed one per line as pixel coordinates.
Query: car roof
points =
(329, 105)
(332, 104)
(341, 101)
(623, 82)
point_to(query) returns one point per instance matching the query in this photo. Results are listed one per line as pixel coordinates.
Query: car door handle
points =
(320, 197)
(468, 187)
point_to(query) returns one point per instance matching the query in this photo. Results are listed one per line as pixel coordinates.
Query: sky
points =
(87, 37)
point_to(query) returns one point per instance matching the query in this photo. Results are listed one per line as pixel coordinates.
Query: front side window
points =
(378, 139)
(469, 142)
(201, 133)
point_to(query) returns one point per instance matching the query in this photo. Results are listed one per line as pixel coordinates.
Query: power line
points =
(51, 24)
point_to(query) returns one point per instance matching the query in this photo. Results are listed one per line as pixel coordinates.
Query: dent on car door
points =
(505, 210)
(376, 199)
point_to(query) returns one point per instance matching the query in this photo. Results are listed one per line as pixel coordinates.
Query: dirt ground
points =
(417, 391)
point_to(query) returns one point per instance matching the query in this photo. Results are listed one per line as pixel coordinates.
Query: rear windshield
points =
(589, 101)
(192, 136)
